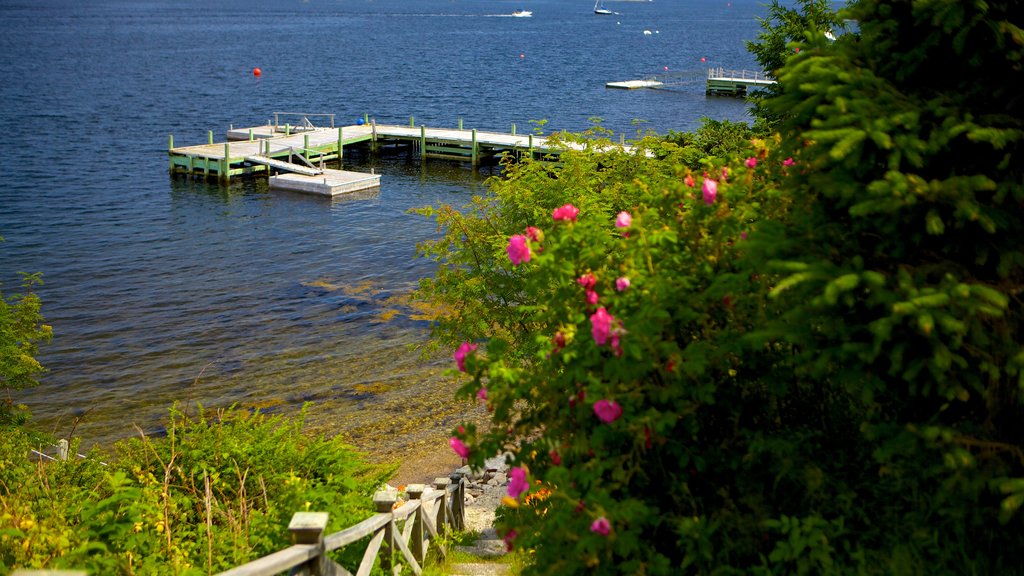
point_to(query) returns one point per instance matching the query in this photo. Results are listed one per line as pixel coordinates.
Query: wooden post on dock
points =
(622, 139)
(209, 136)
(412, 122)
(308, 528)
(530, 148)
(475, 151)
(384, 502)
(305, 146)
(513, 128)
(226, 164)
(460, 123)
(250, 135)
(170, 146)
(340, 138)
(423, 142)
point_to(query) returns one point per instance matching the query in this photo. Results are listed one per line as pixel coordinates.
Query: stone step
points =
(478, 569)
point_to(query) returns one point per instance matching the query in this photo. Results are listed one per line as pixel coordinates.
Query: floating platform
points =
(328, 183)
(634, 84)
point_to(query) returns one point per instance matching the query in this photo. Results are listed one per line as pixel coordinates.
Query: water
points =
(162, 290)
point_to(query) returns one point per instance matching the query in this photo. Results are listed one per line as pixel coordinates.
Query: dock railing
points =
(399, 534)
(303, 121)
(722, 73)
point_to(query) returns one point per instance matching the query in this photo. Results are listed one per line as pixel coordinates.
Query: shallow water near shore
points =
(164, 290)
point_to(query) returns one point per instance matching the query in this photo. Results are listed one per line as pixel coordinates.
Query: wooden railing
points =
(397, 534)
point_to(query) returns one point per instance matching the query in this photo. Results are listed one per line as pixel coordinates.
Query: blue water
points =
(162, 290)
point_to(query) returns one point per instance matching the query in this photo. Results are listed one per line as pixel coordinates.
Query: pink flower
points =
(517, 483)
(601, 325)
(481, 394)
(533, 234)
(509, 538)
(623, 220)
(621, 284)
(465, 349)
(788, 162)
(743, 235)
(601, 526)
(607, 411)
(751, 162)
(710, 191)
(461, 449)
(518, 249)
(591, 297)
(588, 280)
(689, 181)
(567, 212)
(725, 173)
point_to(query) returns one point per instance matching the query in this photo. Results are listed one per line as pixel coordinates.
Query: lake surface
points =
(165, 289)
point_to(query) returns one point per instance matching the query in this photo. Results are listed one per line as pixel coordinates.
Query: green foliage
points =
(784, 32)
(715, 140)
(217, 491)
(819, 371)
(21, 330)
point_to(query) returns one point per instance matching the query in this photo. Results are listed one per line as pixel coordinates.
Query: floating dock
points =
(634, 84)
(328, 183)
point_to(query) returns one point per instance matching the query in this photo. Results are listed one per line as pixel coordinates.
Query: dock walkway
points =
(266, 149)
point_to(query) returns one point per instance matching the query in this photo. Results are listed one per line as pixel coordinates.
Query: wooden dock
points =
(734, 82)
(717, 81)
(302, 152)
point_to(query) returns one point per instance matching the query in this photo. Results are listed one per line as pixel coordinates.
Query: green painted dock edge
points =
(236, 166)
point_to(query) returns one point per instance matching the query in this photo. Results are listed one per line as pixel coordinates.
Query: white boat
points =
(600, 9)
(522, 13)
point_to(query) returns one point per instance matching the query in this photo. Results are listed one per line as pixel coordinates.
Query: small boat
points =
(522, 13)
(600, 9)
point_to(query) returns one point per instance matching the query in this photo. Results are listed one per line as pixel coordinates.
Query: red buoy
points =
(256, 71)
(703, 59)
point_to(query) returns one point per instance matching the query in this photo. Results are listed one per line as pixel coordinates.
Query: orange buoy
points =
(256, 71)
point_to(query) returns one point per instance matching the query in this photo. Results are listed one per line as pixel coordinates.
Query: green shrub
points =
(217, 491)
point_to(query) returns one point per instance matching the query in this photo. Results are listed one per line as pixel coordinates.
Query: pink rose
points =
(621, 284)
(588, 281)
(534, 234)
(607, 411)
(751, 162)
(623, 220)
(591, 297)
(601, 325)
(481, 394)
(461, 449)
(788, 162)
(509, 538)
(465, 349)
(518, 249)
(601, 526)
(567, 212)
(710, 191)
(517, 483)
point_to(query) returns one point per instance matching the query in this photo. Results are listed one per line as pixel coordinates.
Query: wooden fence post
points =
(384, 502)
(308, 528)
(458, 501)
(443, 522)
(419, 551)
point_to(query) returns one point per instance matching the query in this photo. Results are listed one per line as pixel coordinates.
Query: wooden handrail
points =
(430, 512)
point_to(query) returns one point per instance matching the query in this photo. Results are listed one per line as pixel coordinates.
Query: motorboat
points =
(522, 14)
